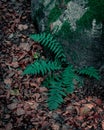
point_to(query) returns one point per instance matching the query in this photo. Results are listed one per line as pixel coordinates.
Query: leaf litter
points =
(22, 99)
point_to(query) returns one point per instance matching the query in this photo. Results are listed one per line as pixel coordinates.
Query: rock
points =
(65, 20)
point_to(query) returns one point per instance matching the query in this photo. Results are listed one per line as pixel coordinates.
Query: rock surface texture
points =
(66, 20)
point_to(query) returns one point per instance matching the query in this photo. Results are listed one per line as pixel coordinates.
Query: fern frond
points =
(69, 77)
(51, 44)
(41, 67)
(90, 71)
(55, 95)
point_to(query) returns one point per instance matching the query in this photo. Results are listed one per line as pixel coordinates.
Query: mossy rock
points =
(77, 24)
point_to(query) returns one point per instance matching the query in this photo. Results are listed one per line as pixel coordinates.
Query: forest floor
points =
(22, 99)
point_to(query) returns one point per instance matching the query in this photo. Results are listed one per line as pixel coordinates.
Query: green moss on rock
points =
(65, 32)
(54, 14)
(66, 1)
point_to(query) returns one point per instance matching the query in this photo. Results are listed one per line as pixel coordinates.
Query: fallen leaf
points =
(13, 64)
(90, 106)
(34, 85)
(102, 123)
(55, 126)
(12, 106)
(84, 111)
(25, 46)
(8, 81)
(32, 104)
(15, 92)
(8, 126)
(98, 102)
(22, 27)
(7, 116)
(43, 89)
(20, 112)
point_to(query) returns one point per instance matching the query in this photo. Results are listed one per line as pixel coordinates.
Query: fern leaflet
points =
(68, 77)
(55, 95)
(41, 67)
(48, 41)
(90, 71)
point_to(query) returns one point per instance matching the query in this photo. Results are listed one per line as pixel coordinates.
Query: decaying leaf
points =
(8, 126)
(22, 27)
(25, 46)
(8, 81)
(12, 106)
(102, 123)
(20, 111)
(15, 92)
(84, 111)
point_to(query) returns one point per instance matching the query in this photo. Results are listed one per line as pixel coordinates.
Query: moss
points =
(54, 14)
(85, 21)
(66, 1)
(95, 11)
(65, 32)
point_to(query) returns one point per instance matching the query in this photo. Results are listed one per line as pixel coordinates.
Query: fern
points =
(41, 67)
(55, 95)
(69, 77)
(47, 40)
(90, 71)
(61, 77)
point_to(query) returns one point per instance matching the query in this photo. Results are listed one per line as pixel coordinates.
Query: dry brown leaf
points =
(25, 46)
(12, 106)
(32, 104)
(34, 85)
(56, 127)
(102, 123)
(13, 64)
(8, 126)
(90, 106)
(7, 116)
(37, 96)
(8, 81)
(43, 89)
(20, 111)
(22, 27)
(98, 102)
(21, 55)
(84, 111)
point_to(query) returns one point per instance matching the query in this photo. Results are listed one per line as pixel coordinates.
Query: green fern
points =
(69, 77)
(47, 40)
(61, 77)
(42, 67)
(90, 71)
(55, 95)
